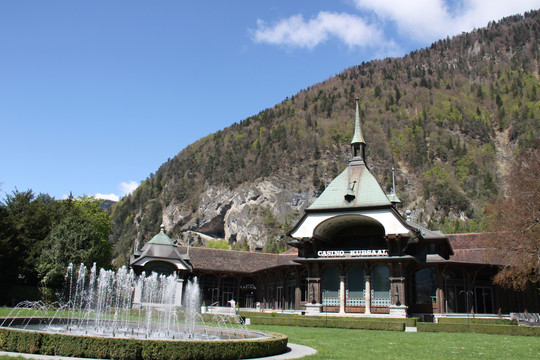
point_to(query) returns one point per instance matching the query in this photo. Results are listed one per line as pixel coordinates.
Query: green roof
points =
(362, 190)
(161, 238)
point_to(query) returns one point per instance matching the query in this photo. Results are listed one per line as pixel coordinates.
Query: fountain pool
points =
(128, 312)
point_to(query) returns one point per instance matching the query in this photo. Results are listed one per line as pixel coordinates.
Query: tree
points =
(9, 255)
(515, 220)
(218, 244)
(378, 91)
(32, 217)
(81, 236)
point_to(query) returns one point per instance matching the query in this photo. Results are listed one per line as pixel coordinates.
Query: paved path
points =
(294, 351)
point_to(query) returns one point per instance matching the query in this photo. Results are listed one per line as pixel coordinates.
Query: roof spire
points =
(393, 182)
(393, 196)
(358, 145)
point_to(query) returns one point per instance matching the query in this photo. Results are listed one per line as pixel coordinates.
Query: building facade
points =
(352, 253)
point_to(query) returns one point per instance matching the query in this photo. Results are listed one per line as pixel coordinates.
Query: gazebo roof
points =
(161, 248)
(354, 188)
(161, 238)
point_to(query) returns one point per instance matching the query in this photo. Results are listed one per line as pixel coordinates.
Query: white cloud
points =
(417, 20)
(295, 31)
(127, 187)
(112, 197)
(432, 19)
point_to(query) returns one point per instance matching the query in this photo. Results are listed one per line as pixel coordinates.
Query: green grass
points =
(354, 344)
(369, 344)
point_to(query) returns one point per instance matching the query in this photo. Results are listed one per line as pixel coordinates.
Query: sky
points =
(96, 95)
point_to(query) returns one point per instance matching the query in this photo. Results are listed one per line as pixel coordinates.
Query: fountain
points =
(129, 314)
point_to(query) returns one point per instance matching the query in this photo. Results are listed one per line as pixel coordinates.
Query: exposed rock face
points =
(237, 214)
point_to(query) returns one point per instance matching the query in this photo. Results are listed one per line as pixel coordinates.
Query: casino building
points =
(353, 253)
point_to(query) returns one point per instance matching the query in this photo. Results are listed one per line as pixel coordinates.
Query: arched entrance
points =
(160, 267)
(350, 232)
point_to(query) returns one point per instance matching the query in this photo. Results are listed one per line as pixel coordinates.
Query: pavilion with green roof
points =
(162, 256)
(356, 245)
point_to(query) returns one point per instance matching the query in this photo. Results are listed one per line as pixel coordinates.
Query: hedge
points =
(132, 349)
(480, 329)
(330, 322)
(478, 321)
(295, 318)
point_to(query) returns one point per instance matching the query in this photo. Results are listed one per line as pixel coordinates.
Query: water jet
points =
(100, 318)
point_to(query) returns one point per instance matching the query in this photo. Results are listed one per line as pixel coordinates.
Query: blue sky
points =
(96, 95)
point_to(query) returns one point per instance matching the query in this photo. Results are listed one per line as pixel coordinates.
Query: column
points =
(397, 284)
(440, 293)
(178, 292)
(297, 297)
(313, 305)
(137, 297)
(342, 294)
(367, 294)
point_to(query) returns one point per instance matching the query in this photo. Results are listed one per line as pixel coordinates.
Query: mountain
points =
(448, 118)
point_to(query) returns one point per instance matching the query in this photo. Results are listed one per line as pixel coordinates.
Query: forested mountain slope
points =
(449, 118)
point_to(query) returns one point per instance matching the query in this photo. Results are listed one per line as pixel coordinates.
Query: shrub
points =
(319, 321)
(476, 321)
(132, 349)
(481, 329)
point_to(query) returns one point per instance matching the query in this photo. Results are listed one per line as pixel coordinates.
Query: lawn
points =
(332, 343)
(370, 344)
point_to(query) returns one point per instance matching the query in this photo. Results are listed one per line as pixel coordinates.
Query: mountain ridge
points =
(448, 118)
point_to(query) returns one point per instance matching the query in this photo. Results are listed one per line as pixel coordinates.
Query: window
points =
(209, 288)
(380, 280)
(425, 286)
(356, 284)
(330, 285)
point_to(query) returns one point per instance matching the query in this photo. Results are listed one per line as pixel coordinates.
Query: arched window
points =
(330, 285)
(483, 292)
(454, 290)
(210, 291)
(247, 292)
(227, 287)
(290, 299)
(380, 286)
(425, 286)
(356, 284)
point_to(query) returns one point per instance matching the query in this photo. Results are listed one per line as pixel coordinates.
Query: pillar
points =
(314, 290)
(367, 294)
(137, 296)
(314, 284)
(441, 295)
(313, 304)
(342, 294)
(178, 292)
(397, 284)
(297, 297)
